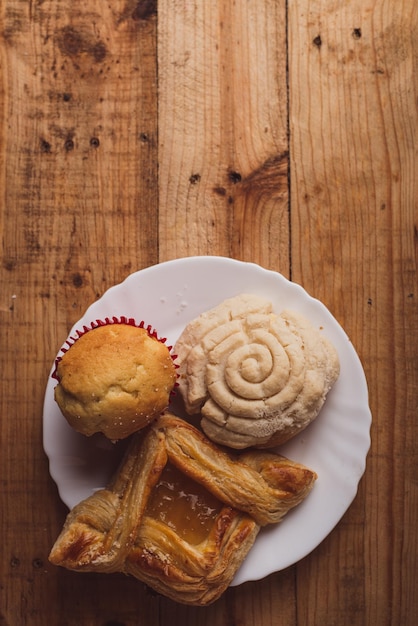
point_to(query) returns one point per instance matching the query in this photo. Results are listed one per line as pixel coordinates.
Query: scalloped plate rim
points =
(347, 461)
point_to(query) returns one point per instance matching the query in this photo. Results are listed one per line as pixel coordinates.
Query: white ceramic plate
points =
(335, 445)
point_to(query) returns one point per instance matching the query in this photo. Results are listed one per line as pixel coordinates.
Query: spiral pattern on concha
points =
(256, 377)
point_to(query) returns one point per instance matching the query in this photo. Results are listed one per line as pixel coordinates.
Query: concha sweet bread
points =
(256, 377)
(115, 379)
(180, 514)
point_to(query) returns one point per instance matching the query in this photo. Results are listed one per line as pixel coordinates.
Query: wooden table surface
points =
(278, 132)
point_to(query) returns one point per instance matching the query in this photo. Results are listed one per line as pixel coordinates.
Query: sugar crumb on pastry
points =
(258, 378)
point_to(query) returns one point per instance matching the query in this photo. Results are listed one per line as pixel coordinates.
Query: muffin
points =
(256, 377)
(114, 379)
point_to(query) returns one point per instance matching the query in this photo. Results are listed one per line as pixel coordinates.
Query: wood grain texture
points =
(223, 130)
(277, 132)
(78, 213)
(353, 128)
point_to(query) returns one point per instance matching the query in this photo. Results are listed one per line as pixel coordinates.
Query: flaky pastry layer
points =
(112, 530)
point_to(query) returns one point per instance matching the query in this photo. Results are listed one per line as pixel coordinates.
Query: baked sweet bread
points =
(256, 377)
(180, 514)
(115, 379)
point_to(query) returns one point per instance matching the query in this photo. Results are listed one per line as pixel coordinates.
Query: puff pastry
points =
(180, 514)
(257, 378)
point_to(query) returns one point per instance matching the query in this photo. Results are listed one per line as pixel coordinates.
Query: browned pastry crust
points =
(120, 529)
(114, 379)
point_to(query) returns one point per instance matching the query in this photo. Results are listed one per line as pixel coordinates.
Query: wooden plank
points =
(223, 130)
(78, 158)
(353, 129)
(223, 188)
(81, 119)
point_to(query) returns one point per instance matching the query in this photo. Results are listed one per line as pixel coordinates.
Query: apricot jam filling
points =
(184, 505)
